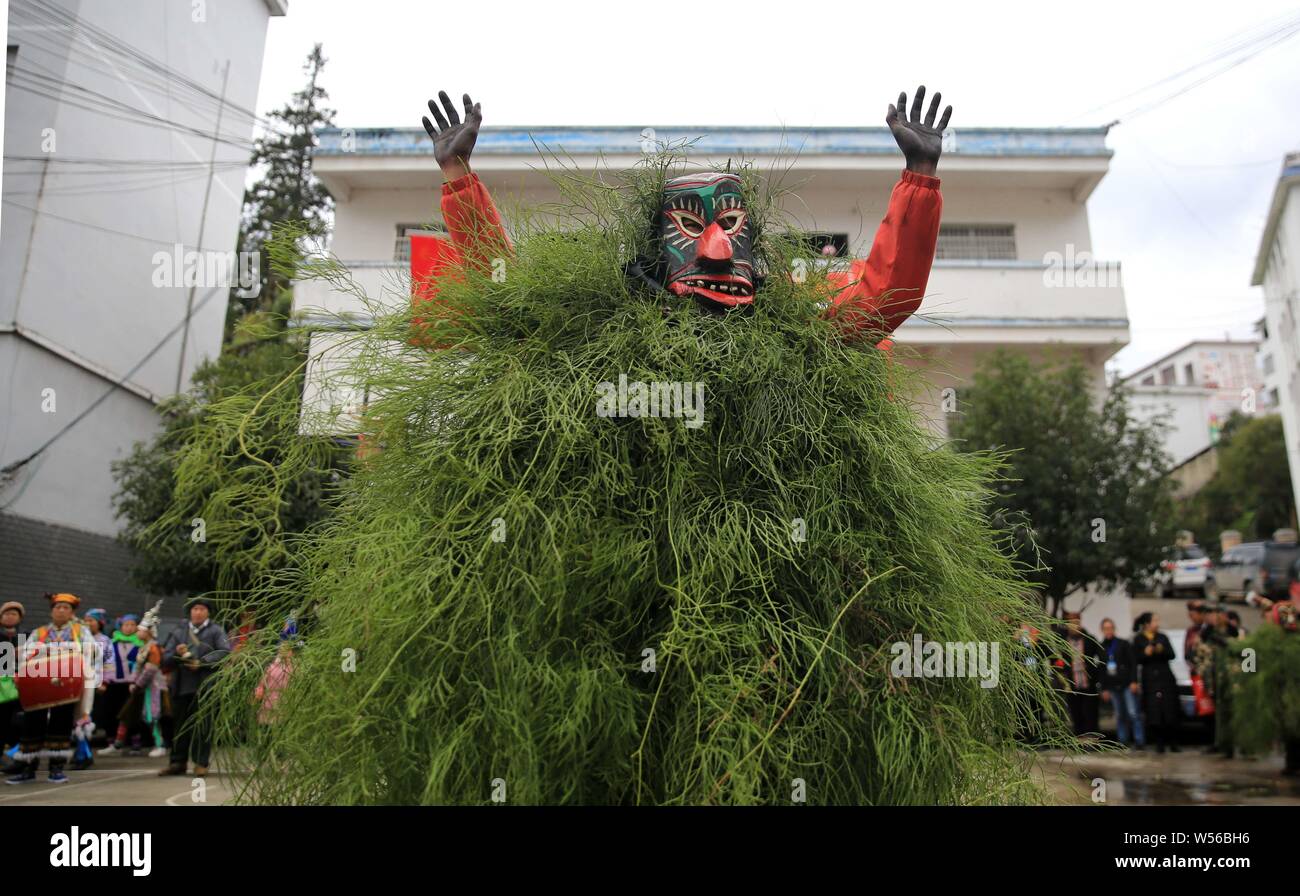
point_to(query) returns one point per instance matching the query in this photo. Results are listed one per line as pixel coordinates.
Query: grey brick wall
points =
(37, 557)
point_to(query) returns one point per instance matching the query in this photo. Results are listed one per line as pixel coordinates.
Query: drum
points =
(53, 677)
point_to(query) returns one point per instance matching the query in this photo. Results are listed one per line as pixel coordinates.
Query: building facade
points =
(1277, 269)
(1013, 267)
(1195, 389)
(128, 128)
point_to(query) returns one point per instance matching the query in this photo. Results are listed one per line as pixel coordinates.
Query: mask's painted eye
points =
(732, 221)
(688, 223)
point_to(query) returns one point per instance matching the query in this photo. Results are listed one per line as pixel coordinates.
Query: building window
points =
(977, 242)
(1168, 377)
(828, 245)
(1189, 373)
(1148, 380)
(11, 59)
(1268, 365)
(402, 248)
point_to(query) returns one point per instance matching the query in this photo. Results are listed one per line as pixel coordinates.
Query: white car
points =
(1182, 673)
(1185, 568)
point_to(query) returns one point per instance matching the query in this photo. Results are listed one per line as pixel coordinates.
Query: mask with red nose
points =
(706, 241)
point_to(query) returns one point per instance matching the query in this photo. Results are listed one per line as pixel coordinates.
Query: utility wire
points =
(114, 108)
(115, 163)
(1247, 42)
(10, 468)
(47, 13)
(161, 87)
(143, 239)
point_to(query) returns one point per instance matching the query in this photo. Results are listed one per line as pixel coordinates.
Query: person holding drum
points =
(56, 687)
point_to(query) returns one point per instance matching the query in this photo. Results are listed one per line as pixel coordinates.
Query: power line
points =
(47, 13)
(1247, 41)
(113, 108)
(123, 233)
(76, 160)
(1155, 104)
(134, 183)
(18, 464)
(159, 86)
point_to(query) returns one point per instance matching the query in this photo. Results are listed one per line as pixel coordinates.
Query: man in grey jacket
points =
(191, 654)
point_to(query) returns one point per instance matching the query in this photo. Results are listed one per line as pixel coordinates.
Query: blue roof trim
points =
(756, 141)
(933, 321)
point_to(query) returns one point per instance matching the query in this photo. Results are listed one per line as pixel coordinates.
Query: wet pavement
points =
(1190, 777)
(1187, 778)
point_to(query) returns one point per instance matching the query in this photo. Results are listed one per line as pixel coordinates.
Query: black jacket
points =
(209, 647)
(1120, 652)
(1159, 687)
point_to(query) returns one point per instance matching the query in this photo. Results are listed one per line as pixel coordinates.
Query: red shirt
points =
(883, 289)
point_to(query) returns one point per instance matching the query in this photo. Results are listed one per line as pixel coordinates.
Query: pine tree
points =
(286, 206)
(287, 193)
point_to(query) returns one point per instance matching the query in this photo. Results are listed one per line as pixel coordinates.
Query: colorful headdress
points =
(151, 617)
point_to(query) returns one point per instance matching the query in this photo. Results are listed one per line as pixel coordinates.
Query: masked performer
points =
(704, 235)
(524, 599)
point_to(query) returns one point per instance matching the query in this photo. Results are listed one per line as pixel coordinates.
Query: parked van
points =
(1260, 566)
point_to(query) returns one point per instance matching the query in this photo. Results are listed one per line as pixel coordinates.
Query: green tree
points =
(1251, 490)
(284, 207)
(181, 559)
(287, 192)
(1086, 498)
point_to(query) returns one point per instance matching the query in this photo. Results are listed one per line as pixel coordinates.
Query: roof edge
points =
(1289, 176)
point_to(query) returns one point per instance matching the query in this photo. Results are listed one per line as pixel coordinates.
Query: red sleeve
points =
(476, 233)
(472, 219)
(883, 289)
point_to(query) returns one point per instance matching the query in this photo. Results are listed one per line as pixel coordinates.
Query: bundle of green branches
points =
(1265, 699)
(517, 598)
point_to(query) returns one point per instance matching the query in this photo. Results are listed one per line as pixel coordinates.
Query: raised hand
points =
(920, 141)
(453, 140)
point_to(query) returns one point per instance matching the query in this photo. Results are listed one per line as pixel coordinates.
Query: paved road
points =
(1190, 777)
(1148, 778)
(119, 781)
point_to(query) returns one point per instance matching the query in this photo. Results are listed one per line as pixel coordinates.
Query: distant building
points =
(1269, 372)
(1013, 267)
(128, 128)
(1277, 269)
(1196, 388)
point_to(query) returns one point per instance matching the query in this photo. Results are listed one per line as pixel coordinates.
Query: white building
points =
(1277, 269)
(1195, 388)
(128, 127)
(1013, 266)
(1269, 371)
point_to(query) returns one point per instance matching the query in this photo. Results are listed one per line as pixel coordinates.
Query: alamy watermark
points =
(1077, 268)
(951, 659)
(208, 269)
(684, 400)
(32, 658)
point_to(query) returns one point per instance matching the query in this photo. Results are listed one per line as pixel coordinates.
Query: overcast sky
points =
(1181, 208)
